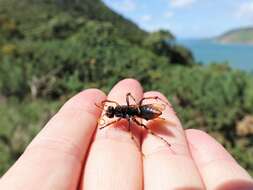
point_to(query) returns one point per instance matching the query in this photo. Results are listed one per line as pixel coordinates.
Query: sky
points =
(187, 18)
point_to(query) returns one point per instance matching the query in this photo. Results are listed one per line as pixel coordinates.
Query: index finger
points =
(114, 161)
(54, 158)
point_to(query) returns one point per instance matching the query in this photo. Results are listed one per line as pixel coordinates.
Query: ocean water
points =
(237, 55)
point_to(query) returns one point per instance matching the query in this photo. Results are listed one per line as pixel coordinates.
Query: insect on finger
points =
(137, 110)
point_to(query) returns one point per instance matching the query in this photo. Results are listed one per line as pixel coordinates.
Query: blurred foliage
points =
(55, 49)
(162, 43)
(20, 122)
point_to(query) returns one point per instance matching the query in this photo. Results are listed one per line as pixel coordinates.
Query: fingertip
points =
(93, 91)
(85, 100)
(195, 132)
(205, 148)
(157, 93)
(91, 94)
(129, 80)
(215, 163)
(131, 84)
(196, 135)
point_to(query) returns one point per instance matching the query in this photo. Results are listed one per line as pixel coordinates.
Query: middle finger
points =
(168, 167)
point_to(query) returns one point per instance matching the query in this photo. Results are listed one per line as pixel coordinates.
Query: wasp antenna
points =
(167, 103)
(100, 107)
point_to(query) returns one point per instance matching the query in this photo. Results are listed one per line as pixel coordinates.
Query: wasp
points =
(131, 112)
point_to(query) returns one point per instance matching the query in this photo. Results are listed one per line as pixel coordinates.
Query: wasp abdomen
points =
(149, 112)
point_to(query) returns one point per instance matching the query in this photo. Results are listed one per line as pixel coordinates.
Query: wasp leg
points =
(129, 129)
(151, 132)
(115, 121)
(128, 124)
(128, 97)
(154, 98)
(161, 118)
(109, 101)
(104, 102)
(138, 123)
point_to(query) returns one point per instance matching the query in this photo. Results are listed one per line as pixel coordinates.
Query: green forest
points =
(52, 49)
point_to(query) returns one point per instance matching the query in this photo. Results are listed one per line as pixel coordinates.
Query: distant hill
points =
(55, 38)
(241, 35)
(40, 11)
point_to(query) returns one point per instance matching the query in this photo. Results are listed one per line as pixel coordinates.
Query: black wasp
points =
(132, 112)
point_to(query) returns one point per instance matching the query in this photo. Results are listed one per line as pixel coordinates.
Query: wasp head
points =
(110, 112)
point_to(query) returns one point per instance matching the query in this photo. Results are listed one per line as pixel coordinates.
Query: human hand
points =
(59, 158)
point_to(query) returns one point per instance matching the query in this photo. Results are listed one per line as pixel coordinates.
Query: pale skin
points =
(71, 153)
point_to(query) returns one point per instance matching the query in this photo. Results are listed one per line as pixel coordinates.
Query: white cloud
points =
(168, 14)
(245, 10)
(124, 5)
(181, 3)
(154, 26)
(146, 18)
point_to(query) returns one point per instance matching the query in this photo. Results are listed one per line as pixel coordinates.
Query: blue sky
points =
(187, 18)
